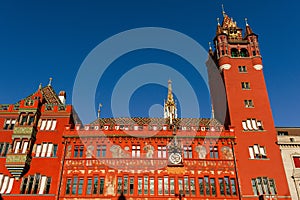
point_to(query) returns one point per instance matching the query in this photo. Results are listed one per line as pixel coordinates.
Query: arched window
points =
(234, 52)
(244, 52)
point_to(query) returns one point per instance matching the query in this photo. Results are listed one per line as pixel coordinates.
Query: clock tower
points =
(238, 58)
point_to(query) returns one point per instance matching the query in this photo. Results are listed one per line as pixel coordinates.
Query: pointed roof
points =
(170, 98)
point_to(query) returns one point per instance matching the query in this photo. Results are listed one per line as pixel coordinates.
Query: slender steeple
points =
(170, 110)
(248, 28)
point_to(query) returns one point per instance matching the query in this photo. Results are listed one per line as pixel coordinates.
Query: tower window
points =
(257, 152)
(248, 103)
(242, 69)
(245, 85)
(244, 52)
(234, 52)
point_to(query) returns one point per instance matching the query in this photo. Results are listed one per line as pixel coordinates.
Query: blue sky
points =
(42, 39)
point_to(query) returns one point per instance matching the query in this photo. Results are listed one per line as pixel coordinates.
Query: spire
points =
(40, 86)
(50, 81)
(170, 95)
(219, 28)
(210, 49)
(99, 110)
(170, 110)
(223, 11)
(248, 28)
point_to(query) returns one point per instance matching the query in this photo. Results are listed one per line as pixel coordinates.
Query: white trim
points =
(258, 67)
(225, 66)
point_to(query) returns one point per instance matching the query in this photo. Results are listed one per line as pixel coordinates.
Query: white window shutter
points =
(254, 124)
(53, 125)
(18, 143)
(49, 150)
(10, 185)
(249, 124)
(25, 145)
(38, 150)
(48, 124)
(4, 185)
(43, 185)
(43, 124)
(256, 151)
(44, 149)
(251, 152)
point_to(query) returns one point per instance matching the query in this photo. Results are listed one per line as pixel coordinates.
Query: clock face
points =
(175, 158)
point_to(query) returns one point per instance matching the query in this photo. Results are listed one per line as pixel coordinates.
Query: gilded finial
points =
(209, 45)
(50, 81)
(223, 11)
(40, 86)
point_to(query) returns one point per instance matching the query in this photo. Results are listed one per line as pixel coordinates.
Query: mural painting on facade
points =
(118, 152)
(201, 150)
(89, 151)
(69, 151)
(226, 153)
(110, 184)
(149, 150)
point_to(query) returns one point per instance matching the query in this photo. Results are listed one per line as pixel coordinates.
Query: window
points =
(145, 184)
(140, 183)
(263, 186)
(257, 152)
(245, 85)
(74, 185)
(78, 151)
(35, 184)
(136, 151)
(187, 152)
(95, 185)
(201, 186)
(244, 52)
(120, 183)
(248, 103)
(252, 125)
(46, 150)
(125, 189)
(242, 68)
(101, 191)
(227, 186)
(101, 151)
(172, 186)
(131, 186)
(80, 186)
(6, 184)
(89, 186)
(213, 152)
(4, 149)
(48, 124)
(296, 161)
(281, 133)
(162, 152)
(9, 124)
(234, 52)
(160, 186)
(166, 185)
(68, 186)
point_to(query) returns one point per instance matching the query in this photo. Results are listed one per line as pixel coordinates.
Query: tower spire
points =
(248, 28)
(170, 110)
(99, 110)
(223, 11)
(50, 81)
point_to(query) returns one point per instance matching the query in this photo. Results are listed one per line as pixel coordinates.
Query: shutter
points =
(10, 185)
(254, 125)
(49, 150)
(262, 151)
(256, 151)
(251, 152)
(17, 147)
(25, 145)
(53, 125)
(43, 184)
(249, 124)
(48, 124)
(4, 185)
(44, 149)
(38, 150)
(43, 124)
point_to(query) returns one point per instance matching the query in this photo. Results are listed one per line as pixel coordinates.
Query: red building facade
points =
(46, 153)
